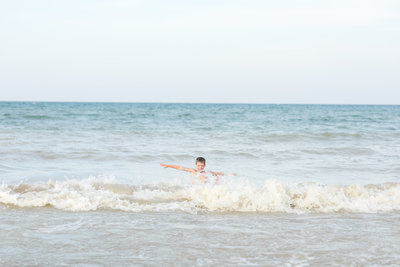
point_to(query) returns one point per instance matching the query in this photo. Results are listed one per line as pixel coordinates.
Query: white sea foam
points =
(274, 196)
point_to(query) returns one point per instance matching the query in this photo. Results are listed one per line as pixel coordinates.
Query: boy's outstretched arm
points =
(217, 173)
(177, 167)
(220, 173)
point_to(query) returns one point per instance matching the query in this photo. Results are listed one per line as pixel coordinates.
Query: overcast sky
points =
(237, 51)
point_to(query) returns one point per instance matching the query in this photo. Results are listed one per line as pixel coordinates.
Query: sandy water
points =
(105, 238)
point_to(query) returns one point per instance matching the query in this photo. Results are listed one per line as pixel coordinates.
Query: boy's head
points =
(200, 163)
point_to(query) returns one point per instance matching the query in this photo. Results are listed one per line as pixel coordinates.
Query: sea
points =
(302, 185)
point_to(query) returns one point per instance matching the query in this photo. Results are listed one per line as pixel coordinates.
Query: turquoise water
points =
(294, 143)
(314, 184)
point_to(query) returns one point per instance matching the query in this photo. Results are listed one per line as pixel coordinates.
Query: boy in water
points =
(199, 172)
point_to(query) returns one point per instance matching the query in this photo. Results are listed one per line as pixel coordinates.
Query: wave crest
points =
(274, 196)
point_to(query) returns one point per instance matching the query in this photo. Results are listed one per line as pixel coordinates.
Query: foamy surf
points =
(274, 196)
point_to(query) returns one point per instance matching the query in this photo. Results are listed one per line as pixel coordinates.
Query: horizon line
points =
(200, 103)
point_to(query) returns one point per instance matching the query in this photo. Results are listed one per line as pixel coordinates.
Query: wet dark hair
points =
(201, 159)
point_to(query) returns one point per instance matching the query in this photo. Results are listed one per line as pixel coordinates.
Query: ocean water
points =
(304, 185)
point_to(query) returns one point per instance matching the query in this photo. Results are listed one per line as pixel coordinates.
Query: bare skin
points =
(196, 171)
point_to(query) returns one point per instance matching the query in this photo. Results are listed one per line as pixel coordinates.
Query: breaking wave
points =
(274, 196)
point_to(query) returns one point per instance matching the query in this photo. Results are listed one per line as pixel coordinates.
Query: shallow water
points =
(52, 237)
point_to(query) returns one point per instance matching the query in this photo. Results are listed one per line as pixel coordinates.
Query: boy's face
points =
(200, 166)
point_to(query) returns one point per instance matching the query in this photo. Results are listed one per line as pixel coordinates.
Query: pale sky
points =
(215, 51)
